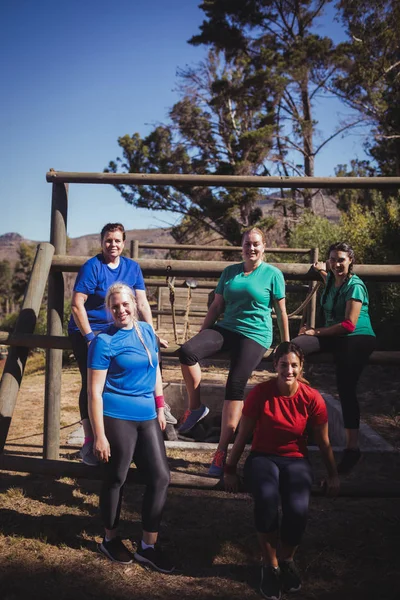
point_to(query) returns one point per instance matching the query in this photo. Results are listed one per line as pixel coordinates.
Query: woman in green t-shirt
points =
(347, 333)
(245, 296)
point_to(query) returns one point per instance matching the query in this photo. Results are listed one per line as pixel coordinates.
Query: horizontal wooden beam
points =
(32, 340)
(209, 269)
(211, 285)
(225, 180)
(77, 470)
(153, 246)
(379, 357)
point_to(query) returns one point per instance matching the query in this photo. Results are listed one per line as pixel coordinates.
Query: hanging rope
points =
(186, 325)
(170, 282)
(306, 301)
(191, 284)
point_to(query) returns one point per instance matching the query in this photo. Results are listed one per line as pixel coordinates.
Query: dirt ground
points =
(49, 529)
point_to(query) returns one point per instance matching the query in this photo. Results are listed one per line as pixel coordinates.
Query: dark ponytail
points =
(341, 247)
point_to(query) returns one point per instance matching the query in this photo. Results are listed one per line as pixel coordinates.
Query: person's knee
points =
(308, 343)
(187, 355)
(235, 388)
(160, 480)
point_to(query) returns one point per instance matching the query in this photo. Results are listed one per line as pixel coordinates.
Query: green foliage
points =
(23, 270)
(5, 286)
(347, 197)
(374, 236)
(284, 53)
(313, 231)
(375, 233)
(369, 80)
(221, 126)
(246, 110)
(8, 322)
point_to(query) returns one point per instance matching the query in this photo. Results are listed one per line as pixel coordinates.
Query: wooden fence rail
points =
(377, 183)
(207, 269)
(75, 470)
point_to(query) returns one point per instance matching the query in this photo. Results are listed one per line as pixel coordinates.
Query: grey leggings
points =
(142, 441)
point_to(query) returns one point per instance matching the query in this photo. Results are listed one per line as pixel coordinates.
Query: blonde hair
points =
(122, 288)
(254, 230)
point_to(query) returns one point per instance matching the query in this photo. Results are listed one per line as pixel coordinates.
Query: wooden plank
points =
(226, 180)
(68, 468)
(378, 357)
(26, 322)
(274, 250)
(210, 269)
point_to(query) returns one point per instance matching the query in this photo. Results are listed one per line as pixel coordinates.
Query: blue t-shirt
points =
(249, 300)
(94, 279)
(130, 383)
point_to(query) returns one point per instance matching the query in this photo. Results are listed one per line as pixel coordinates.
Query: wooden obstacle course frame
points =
(55, 342)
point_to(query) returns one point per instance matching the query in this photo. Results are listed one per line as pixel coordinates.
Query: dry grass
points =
(49, 529)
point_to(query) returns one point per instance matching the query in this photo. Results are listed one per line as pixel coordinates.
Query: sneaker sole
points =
(216, 475)
(270, 597)
(292, 590)
(186, 429)
(104, 551)
(87, 463)
(146, 561)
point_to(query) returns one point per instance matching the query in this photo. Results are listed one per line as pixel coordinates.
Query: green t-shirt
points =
(353, 289)
(249, 300)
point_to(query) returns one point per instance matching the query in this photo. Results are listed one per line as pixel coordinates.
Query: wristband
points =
(230, 469)
(89, 336)
(348, 326)
(160, 402)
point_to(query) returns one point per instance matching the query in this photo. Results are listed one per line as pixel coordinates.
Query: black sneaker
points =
(116, 551)
(350, 458)
(290, 576)
(154, 557)
(270, 585)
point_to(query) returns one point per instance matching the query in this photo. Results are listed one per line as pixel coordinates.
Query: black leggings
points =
(351, 354)
(80, 350)
(270, 478)
(143, 442)
(245, 353)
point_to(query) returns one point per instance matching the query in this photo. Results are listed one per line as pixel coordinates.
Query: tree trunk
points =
(307, 131)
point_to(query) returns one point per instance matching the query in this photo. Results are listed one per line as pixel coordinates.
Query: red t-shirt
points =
(281, 420)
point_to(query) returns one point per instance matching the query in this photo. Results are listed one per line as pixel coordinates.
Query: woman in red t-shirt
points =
(277, 411)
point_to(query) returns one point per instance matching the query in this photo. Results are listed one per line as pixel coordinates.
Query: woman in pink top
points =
(277, 469)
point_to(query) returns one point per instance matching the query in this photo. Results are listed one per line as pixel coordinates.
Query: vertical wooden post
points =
(135, 249)
(16, 359)
(55, 314)
(312, 308)
(159, 307)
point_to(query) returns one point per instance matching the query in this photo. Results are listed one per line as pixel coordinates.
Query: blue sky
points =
(78, 74)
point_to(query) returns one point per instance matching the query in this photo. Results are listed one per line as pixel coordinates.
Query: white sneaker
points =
(169, 417)
(87, 456)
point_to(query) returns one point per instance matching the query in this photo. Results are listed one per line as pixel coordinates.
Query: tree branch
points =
(338, 132)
